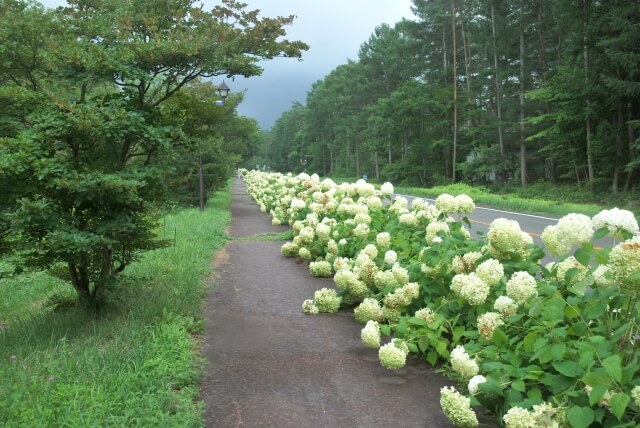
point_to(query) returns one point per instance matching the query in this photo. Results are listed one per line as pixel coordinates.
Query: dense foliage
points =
(536, 344)
(105, 116)
(481, 91)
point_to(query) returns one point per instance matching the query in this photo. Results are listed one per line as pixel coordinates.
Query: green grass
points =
(134, 363)
(287, 235)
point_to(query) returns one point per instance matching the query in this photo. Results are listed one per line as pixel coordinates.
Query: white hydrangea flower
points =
(434, 228)
(369, 309)
(408, 219)
(393, 355)
(474, 383)
(289, 249)
(320, 269)
(361, 230)
(490, 271)
(506, 306)
(547, 416)
(327, 300)
(446, 203)
(624, 260)
(488, 323)
(400, 274)
(332, 247)
(341, 263)
(383, 240)
(635, 395)
(551, 241)
(521, 286)
(309, 308)
(601, 276)
(457, 408)
(387, 189)
(436, 240)
(374, 203)
(370, 335)
(384, 279)
(517, 417)
(342, 242)
(362, 218)
(462, 364)
(616, 220)
(565, 265)
(505, 238)
(426, 314)
(419, 204)
(323, 231)
(474, 290)
(390, 257)
(465, 204)
(304, 253)
(574, 229)
(371, 251)
(298, 204)
(391, 314)
(457, 282)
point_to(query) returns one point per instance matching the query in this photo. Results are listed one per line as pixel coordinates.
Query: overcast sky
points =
(334, 30)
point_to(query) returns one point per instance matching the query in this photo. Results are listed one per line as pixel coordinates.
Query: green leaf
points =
(558, 350)
(613, 367)
(432, 358)
(529, 341)
(583, 255)
(567, 368)
(580, 417)
(441, 348)
(601, 233)
(595, 379)
(423, 344)
(619, 404)
(500, 338)
(518, 385)
(491, 387)
(597, 392)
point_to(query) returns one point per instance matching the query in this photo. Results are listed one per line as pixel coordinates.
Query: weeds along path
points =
(270, 365)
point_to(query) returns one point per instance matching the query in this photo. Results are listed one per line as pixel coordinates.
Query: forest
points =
(482, 92)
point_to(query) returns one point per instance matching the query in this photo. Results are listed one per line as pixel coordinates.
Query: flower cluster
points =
(462, 364)
(616, 221)
(370, 335)
(457, 408)
(321, 269)
(488, 323)
(326, 300)
(368, 310)
(505, 238)
(624, 261)
(521, 286)
(393, 355)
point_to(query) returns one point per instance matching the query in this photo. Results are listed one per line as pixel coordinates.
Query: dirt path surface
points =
(270, 365)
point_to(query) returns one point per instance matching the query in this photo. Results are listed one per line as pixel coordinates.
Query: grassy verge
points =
(482, 196)
(133, 364)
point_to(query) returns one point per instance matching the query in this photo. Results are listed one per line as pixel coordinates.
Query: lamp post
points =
(223, 91)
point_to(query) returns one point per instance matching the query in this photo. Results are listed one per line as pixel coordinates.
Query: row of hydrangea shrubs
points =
(536, 344)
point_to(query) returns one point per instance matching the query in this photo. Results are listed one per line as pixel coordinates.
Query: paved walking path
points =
(270, 365)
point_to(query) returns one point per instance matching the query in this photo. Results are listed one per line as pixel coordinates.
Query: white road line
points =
(489, 209)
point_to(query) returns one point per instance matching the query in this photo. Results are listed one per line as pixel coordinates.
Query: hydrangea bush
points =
(537, 345)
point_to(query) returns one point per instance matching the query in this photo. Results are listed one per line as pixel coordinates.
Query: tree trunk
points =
(589, 125)
(523, 147)
(377, 164)
(455, 91)
(497, 81)
(619, 151)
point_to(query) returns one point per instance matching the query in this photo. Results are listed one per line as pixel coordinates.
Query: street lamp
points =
(223, 90)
